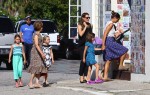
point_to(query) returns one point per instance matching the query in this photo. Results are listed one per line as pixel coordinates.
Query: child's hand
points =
(52, 61)
(9, 61)
(24, 61)
(83, 60)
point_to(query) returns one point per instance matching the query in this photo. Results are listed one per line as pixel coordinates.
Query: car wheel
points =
(68, 54)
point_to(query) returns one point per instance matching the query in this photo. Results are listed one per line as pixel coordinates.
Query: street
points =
(62, 70)
(64, 80)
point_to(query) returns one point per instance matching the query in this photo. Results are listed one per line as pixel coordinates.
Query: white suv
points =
(49, 28)
(7, 34)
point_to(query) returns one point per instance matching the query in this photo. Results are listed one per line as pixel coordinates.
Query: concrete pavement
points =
(65, 81)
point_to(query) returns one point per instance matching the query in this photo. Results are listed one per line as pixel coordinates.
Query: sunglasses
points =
(87, 17)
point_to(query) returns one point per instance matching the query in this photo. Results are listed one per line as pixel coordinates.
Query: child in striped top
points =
(17, 50)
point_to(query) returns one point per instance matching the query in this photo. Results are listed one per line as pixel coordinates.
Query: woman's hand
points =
(52, 61)
(117, 34)
(9, 61)
(84, 23)
(24, 61)
(43, 56)
(103, 47)
(83, 60)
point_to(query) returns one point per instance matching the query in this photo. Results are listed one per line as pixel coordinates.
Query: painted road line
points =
(114, 91)
(87, 91)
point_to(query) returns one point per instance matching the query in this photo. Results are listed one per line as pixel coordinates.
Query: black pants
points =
(83, 68)
(27, 48)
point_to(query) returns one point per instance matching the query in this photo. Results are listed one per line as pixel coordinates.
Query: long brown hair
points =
(81, 19)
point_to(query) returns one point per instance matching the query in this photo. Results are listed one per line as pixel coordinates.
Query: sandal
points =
(45, 84)
(82, 81)
(17, 85)
(30, 87)
(20, 84)
(37, 86)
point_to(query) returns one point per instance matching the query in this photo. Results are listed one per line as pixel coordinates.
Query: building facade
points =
(134, 14)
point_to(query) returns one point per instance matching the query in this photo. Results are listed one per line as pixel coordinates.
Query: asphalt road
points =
(62, 70)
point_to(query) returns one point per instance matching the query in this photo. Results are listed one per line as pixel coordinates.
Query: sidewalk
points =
(115, 87)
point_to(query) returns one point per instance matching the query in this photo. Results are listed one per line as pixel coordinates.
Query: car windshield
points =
(6, 25)
(48, 26)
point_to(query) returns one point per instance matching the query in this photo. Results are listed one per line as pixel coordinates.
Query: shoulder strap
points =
(115, 27)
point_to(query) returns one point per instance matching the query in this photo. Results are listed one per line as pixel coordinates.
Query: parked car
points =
(50, 29)
(7, 34)
(69, 48)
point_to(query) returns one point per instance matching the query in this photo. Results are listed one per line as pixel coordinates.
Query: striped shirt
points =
(17, 49)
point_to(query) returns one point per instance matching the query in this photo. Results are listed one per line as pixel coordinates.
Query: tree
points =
(55, 10)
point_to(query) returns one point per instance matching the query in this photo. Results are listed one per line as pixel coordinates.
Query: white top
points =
(47, 52)
(112, 31)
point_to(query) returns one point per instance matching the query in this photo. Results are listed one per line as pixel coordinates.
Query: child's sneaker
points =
(90, 82)
(98, 81)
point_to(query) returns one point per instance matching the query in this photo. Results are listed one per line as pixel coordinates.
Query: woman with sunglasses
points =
(84, 27)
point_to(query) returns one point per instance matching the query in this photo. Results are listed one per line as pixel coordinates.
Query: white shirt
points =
(112, 31)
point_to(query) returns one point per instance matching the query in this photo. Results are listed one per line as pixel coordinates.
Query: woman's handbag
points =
(121, 35)
(97, 44)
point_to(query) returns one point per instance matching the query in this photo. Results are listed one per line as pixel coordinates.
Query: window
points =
(74, 15)
(6, 25)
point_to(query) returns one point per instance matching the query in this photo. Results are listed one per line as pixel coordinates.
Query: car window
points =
(21, 23)
(6, 25)
(49, 27)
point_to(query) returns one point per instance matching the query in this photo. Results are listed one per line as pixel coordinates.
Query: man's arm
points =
(20, 33)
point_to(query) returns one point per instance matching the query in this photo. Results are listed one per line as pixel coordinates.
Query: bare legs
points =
(31, 81)
(106, 69)
(96, 72)
(89, 73)
(107, 65)
(37, 84)
(122, 58)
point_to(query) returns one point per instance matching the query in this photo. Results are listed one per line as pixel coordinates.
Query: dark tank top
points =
(82, 39)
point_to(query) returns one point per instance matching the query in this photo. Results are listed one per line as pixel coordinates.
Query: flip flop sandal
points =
(37, 86)
(30, 87)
